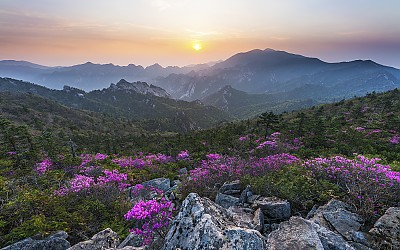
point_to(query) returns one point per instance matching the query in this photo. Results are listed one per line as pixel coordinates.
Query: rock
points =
(294, 234)
(183, 171)
(19, 245)
(226, 201)
(335, 215)
(389, 224)
(56, 241)
(388, 227)
(253, 198)
(229, 187)
(132, 240)
(258, 220)
(161, 183)
(329, 239)
(241, 217)
(358, 246)
(298, 233)
(128, 248)
(175, 183)
(202, 224)
(231, 192)
(273, 208)
(103, 240)
(244, 196)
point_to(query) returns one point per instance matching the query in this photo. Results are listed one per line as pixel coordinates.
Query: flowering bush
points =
(395, 140)
(219, 169)
(368, 185)
(82, 182)
(43, 166)
(183, 156)
(151, 212)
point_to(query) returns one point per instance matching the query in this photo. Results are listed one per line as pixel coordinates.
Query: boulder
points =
(103, 240)
(273, 208)
(232, 187)
(132, 240)
(388, 227)
(226, 201)
(335, 215)
(389, 224)
(253, 198)
(258, 220)
(241, 217)
(298, 233)
(19, 245)
(244, 196)
(56, 241)
(202, 224)
(160, 183)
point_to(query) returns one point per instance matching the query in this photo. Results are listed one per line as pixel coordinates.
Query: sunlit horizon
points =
(123, 32)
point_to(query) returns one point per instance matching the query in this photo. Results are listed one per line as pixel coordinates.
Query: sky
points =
(67, 32)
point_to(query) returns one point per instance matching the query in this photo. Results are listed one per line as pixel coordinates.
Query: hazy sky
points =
(65, 32)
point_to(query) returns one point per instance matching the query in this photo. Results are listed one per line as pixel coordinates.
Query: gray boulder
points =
(202, 224)
(388, 227)
(241, 217)
(160, 183)
(226, 201)
(298, 233)
(273, 208)
(132, 240)
(258, 220)
(19, 245)
(389, 224)
(103, 240)
(229, 188)
(336, 215)
(244, 196)
(56, 241)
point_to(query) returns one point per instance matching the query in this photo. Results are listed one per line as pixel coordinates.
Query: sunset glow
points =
(197, 46)
(159, 31)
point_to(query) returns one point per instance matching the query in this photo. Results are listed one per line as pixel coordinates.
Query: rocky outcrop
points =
(298, 233)
(56, 241)
(337, 216)
(202, 224)
(273, 208)
(132, 240)
(226, 201)
(388, 228)
(105, 239)
(160, 183)
(140, 87)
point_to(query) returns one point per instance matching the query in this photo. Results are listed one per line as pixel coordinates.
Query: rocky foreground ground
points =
(239, 219)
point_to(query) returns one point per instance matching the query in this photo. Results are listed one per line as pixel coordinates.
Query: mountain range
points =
(87, 76)
(244, 85)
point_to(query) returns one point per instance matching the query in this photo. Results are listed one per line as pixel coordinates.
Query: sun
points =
(197, 46)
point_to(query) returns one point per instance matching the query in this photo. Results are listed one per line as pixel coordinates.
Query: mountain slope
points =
(243, 105)
(121, 100)
(270, 71)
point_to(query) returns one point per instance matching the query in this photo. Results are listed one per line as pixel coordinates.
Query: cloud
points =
(161, 4)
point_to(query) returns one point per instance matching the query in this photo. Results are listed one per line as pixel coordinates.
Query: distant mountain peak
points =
(139, 87)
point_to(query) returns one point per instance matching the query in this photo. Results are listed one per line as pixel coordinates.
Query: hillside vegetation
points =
(348, 150)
